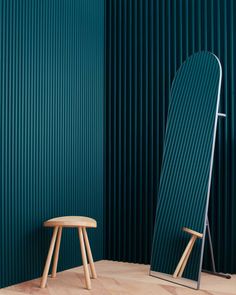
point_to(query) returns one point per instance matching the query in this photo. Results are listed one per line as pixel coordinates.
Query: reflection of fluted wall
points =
(146, 42)
(51, 129)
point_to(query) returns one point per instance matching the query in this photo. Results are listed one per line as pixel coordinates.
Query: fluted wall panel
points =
(51, 129)
(146, 42)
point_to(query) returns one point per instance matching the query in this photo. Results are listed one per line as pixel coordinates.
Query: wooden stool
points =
(70, 221)
(184, 259)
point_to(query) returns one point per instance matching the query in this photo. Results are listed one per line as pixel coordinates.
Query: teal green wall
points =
(51, 129)
(146, 42)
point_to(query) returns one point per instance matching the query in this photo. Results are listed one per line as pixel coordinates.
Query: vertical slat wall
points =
(51, 129)
(146, 42)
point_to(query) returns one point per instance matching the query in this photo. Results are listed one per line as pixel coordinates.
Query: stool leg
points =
(84, 259)
(89, 253)
(186, 258)
(56, 254)
(49, 258)
(183, 257)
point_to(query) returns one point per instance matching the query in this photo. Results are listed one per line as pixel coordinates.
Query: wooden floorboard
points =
(120, 278)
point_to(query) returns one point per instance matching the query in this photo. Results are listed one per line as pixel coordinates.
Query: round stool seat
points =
(71, 221)
(192, 232)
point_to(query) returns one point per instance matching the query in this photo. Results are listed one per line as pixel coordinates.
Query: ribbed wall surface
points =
(146, 42)
(51, 129)
(186, 166)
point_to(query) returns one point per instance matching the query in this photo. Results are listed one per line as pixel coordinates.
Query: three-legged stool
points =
(70, 221)
(184, 259)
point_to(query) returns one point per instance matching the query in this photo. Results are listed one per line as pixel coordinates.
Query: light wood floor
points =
(120, 278)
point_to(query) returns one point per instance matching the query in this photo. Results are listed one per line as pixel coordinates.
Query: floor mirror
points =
(184, 189)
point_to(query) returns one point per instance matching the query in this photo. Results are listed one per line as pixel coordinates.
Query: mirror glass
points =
(184, 188)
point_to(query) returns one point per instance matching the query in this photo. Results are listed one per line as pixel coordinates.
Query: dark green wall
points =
(146, 42)
(51, 129)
